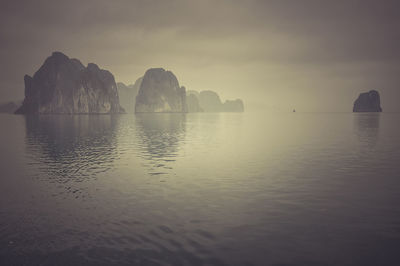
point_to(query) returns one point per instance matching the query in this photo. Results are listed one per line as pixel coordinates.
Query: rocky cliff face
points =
(127, 94)
(64, 86)
(368, 102)
(160, 92)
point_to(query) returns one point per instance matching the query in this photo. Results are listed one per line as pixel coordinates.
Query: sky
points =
(311, 55)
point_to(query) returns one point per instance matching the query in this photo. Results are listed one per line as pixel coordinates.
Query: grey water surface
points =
(200, 189)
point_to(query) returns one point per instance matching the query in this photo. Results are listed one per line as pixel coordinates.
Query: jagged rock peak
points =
(59, 56)
(160, 73)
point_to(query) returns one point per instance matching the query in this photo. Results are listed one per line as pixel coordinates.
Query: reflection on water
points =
(71, 148)
(367, 128)
(234, 189)
(160, 136)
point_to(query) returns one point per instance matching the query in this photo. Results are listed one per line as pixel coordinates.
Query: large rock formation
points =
(368, 102)
(160, 92)
(65, 86)
(127, 94)
(233, 106)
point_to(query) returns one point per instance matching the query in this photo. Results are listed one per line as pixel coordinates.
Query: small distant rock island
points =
(209, 101)
(368, 102)
(65, 86)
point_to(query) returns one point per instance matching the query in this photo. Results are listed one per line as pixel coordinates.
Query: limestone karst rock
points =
(160, 92)
(368, 102)
(127, 94)
(65, 86)
(209, 101)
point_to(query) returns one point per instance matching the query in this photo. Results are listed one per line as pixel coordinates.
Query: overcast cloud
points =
(310, 55)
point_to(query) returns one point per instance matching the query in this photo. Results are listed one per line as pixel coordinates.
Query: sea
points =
(200, 189)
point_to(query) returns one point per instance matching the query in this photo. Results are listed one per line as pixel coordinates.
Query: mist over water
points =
(200, 189)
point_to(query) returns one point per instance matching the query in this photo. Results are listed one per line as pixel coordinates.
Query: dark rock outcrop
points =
(160, 92)
(127, 94)
(368, 102)
(233, 106)
(9, 107)
(65, 86)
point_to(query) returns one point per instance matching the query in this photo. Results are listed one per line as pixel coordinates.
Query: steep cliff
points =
(160, 92)
(64, 86)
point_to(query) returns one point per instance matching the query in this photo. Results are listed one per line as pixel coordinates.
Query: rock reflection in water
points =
(160, 135)
(71, 148)
(367, 129)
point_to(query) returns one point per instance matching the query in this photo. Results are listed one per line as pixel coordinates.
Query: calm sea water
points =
(200, 189)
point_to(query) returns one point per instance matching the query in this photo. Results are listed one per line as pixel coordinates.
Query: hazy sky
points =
(312, 55)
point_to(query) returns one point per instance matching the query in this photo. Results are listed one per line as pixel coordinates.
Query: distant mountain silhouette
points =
(209, 101)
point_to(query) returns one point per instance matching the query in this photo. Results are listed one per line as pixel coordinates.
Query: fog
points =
(276, 55)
